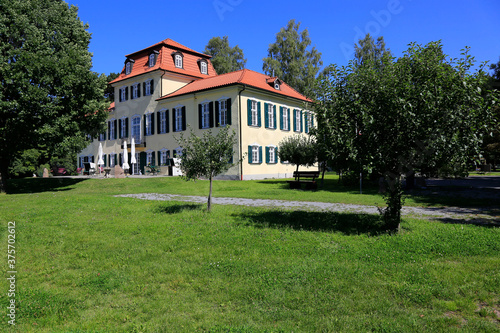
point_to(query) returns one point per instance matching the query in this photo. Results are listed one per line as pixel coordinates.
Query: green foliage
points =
(26, 164)
(416, 113)
(225, 59)
(298, 150)
(369, 52)
(207, 156)
(291, 59)
(50, 99)
(109, 92)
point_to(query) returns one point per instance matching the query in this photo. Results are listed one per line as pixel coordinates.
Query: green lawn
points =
(91, 262)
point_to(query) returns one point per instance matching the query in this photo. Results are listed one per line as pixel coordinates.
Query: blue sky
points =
(122, 27)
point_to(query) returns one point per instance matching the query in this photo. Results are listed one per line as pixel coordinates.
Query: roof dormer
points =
(275, 82)
(203, 65)
(129, 64)
(178, 59)
(153, 56)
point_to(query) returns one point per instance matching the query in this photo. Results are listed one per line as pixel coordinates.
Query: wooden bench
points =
(310, 184)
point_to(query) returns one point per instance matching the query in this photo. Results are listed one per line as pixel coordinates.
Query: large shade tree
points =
(225, 58)
(292, 59)
(50, 99)
(421, 110)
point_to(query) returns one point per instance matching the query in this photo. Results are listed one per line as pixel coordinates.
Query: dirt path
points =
(483, 215)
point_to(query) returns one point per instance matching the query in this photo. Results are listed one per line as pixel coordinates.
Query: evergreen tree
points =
(371, 53)
(291, 59)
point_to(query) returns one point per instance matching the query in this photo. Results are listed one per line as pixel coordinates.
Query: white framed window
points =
(136, 128)
(152, 57)
(255, 154)
(136, 166)
(178, 119)
(271, 155)
(128, 67)
(123, 94)
(223, 112)
(298, 120)
(163, 121)
(149, 158)
(147, 90)
(205, 115)
(102, 136)
(164, 156)
(254, 114)
(178, 61)
(123, 127)
(136, 91)
(149, 124)
(286, 119)
(270, 115)
(203, 67)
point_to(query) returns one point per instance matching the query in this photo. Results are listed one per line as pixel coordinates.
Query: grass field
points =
(90, 262)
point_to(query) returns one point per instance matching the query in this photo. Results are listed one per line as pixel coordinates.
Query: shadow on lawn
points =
(37, 185)
(178, 208)
(347, 223)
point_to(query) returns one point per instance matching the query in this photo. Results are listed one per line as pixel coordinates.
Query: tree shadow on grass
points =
(346, 223)
(38, 185)
(329, 185)
(177, 208)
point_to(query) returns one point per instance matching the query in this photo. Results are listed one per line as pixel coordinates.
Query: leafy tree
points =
(225, 59)
(109, 92)
(423, 110)
(50, 100)
(298, 150)
(207, 156)
(369, 52)
(290, 59)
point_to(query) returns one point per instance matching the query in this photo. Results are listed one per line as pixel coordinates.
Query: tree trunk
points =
(209, 205)
(394, 199)
(4, 175)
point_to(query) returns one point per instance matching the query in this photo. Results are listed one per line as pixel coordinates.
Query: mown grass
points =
(91, 262)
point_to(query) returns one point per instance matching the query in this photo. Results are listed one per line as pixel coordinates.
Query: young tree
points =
(290, 59)
(298, 150)
(419, 111)
(225, 59)
(50, 100)
(207, 156)
(369, 52)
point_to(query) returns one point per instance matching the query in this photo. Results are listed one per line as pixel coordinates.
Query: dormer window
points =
(274, 82)
(203, 66)
(178, 59)
(129, 63)
(152, 58)
(276, 85)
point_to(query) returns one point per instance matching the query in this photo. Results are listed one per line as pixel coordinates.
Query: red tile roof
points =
(244, 77)
(165, 61)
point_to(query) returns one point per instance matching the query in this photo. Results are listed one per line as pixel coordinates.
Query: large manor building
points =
(166, 88)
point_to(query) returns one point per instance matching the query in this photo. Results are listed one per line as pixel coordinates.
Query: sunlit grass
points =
(92, 262)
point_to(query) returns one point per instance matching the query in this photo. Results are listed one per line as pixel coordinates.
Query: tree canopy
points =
(420, 111)
(50, 99)
(292, 59)
(225, 59)
(370, 52)
(207, 156)
(298, 150)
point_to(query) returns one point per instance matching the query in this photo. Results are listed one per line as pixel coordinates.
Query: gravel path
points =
(483, 215)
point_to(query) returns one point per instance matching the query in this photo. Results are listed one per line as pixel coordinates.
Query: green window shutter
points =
(250, 155)
(217, 114)
(211, 114)
(295, 120)
(260, 154)
(276, 155)
(267, 154)
(274, 116)
(288, 118)
(126, 127)
(306, 125)
(173, 120)
(116, 130)
(138, 90)
(105, 160)
(158, 122)
(266, 115)
(142, 161)
(301, 122)
(249, 112)
(152, 115)
(258, 115)
(183, 118)
(144, 125)
(281, 117)
(158, 153)
(153, 162)
(109, 130)
(120, 121)
(126, 93)
(200, 115)
(228, 107)
(152, 88)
